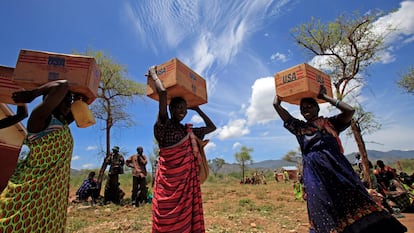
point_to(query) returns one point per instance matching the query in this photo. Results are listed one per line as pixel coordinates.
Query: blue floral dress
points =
(337, 201)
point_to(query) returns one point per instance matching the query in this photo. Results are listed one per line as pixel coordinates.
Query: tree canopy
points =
(115, 92)
(216, 164)
(406, 81)
(243, 157)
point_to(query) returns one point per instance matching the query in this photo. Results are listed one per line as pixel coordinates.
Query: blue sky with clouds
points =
(237, 46)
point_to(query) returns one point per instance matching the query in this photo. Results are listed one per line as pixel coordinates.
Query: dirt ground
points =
(228, 208)
(408, 221)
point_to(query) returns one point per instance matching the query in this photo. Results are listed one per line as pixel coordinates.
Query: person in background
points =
(297, 190)
(275, 175)
(381, 171)
(285, 176)
(113, 192)
(88, 189)
(358, 164)
(36, 198)
(396, 195)
(337, 201)
(139, 173)
(177, 204)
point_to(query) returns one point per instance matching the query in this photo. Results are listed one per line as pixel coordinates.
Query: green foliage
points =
(366, 121)
(243, 157)
(292, 156)
(349, 44)
(407, 165)
(215, 165)
(406, 81)
(236, 175)
(116, 91)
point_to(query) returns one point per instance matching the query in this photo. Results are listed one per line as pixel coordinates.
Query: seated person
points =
(395, 193)
(88, 189)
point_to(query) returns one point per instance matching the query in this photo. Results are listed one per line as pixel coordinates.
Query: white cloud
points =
(196, 28)
(278, 57)
(402, 20)
(210, 147)
(91, 148)
(196, 119)
(88, 166)
(260, 110)
(76, 157)
(409, 40)
(235, 128)
(236, 145)
(386, 56)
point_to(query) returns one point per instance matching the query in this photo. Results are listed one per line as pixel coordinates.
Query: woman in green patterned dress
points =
(36, 197)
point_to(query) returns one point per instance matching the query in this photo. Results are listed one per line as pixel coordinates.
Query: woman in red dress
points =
(177, 204)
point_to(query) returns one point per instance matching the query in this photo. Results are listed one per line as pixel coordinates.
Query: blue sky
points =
(237, 46)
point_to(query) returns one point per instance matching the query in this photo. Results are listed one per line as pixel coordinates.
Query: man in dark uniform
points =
(116, 162)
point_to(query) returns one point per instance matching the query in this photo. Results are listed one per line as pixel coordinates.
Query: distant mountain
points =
(388, 157)
(263, 165)
(74, 172)
(373, 155)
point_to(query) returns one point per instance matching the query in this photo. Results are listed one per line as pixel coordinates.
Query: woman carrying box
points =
(177, 204)
(36, 197)
(336, 199)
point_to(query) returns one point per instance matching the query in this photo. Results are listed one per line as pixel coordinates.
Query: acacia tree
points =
(293, 156)
(406, 81)
(216, 164)
(243, 157)
(116, 91)
(349, 45)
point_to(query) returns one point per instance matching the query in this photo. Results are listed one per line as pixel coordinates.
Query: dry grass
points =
(228, 207)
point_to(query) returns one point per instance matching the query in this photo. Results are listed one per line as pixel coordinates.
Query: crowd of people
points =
(391, 189)
(255, 178)
(337, 200)
(89, 191)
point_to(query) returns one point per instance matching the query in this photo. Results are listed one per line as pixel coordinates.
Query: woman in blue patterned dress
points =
(336, 199)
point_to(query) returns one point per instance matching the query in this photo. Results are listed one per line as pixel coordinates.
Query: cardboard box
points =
(301, 81)
(7, 86)
(180, 81)
(35, 68)
(11, 141)
(14, 135)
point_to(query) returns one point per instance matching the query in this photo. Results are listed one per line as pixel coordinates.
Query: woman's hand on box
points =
(322, 93)
(152, 73)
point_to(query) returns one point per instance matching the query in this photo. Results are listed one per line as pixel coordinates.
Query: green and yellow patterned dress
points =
(36, 197)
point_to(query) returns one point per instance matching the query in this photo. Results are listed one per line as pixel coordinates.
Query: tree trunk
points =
(243, 171)
(356, 130)
(104, 165)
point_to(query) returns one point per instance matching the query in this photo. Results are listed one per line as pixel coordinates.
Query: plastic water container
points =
(82, 114)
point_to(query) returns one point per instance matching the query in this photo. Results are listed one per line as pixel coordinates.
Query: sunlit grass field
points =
(228, 207)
